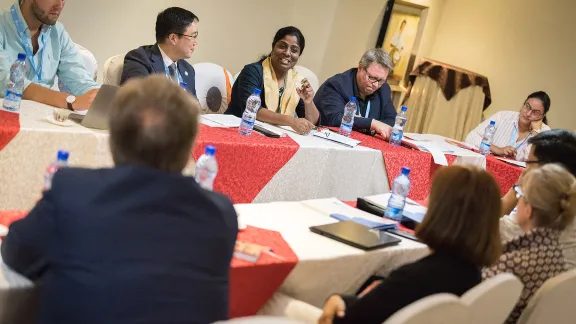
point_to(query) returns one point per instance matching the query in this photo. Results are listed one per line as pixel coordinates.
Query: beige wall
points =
(235, 33)
(521, 46)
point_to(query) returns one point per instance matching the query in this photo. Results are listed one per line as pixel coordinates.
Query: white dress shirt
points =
(167, 60)
(506, 133)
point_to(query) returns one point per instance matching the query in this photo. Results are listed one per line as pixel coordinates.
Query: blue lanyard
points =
(514, 137)
(27, 43)
(177, 73)
(367, 110)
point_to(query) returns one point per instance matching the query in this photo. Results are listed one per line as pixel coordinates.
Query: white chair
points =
(235, 77)
(553, 302)
(260, 320)
(308, 74)
(285, 306)
(434, 309)
(113, 70)
(213, 87)
(491, 301)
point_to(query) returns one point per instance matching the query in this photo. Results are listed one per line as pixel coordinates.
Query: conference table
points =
(309, 267)
(254, 169)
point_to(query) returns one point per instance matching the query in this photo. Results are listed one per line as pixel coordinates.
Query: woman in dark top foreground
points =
(461, 230)
(287, 98)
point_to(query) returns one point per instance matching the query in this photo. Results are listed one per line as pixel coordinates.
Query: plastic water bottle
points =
(13, 95)
(487, 139)
(398, 129)
(206, 168)
(348, 118)
(249, 116)
(400, 190)
(61, 162)
(183, 85)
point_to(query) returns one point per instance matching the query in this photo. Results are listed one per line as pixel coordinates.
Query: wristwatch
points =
(69, 101)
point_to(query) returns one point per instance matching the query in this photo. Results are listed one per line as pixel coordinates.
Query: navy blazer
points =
(147, 60)
(336, 92)
(126, 245)
(252, 76)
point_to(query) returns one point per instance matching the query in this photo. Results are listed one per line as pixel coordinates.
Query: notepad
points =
(337, 138)
(412, 209)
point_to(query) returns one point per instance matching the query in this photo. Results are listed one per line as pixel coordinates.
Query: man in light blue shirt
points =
(31, 27)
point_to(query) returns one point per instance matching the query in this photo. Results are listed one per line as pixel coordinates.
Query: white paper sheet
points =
(514, 162)
(222, 120)
(434, 148)
(412, 210)
(337, 138)
(334, 206)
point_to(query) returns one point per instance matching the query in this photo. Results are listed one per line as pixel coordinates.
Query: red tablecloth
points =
(251, 284)
(506, 174)
(421, 164)
(9, 127)
(245, 163)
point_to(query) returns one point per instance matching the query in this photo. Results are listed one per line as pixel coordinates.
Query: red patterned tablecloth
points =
(506, 174)
(421, 164)
(251, 284)
(245, 163)
(9, 127)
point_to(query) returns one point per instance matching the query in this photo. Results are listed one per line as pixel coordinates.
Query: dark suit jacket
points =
(126, 245)
(147, 60)
(336, 92)
(252, 76)
(440, 272)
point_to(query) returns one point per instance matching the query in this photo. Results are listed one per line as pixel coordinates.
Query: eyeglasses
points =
(193, 37)
(518, 191)
(536, 113)
(374, 80)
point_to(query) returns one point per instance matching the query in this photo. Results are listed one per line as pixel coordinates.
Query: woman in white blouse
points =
(514, 128)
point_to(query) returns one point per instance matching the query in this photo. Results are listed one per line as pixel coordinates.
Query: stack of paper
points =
(219, 120)
(412, 210)
(339, 210)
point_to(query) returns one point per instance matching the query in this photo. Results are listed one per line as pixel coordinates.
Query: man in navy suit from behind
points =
(176, 33)
(136, 243)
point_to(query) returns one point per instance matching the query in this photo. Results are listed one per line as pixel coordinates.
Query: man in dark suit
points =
(368, 84)
(176, 33)
(137, 243)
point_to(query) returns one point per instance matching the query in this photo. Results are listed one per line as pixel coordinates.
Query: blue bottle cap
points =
(405, 171)
(210, 150)
(257, 91)
(353, 99)
(21, 57)
(404, 108)
(492, 123)
(63, 155)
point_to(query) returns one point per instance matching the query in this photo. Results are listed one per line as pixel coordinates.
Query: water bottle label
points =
(396, 136)
(11, 95)
(485, 147)
(247, 122)
(393, 213)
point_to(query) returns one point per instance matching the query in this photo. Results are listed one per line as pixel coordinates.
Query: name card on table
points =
(337, 138)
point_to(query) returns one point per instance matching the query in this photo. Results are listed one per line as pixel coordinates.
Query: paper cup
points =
(61, 115)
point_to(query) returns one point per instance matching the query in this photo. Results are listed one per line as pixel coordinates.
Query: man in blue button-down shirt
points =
(50, 53)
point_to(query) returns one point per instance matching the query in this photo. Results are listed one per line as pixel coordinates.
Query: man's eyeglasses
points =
(536, 113)
(374, 80)
(193, 37)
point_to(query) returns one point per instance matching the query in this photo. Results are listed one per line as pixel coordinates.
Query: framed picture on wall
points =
(398, 36)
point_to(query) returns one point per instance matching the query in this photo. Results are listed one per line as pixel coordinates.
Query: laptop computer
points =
(97, 115)
(356, 235)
